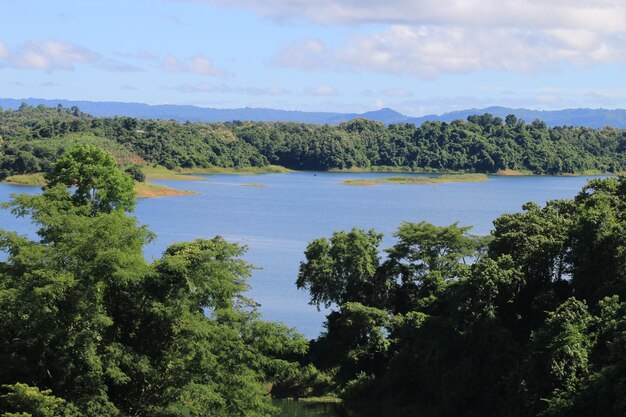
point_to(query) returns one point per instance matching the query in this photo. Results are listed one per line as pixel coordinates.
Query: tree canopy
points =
(34, 137)
(89, 328)
(527, 322)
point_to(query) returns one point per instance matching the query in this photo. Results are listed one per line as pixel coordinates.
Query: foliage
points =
(97, 180)
(530, 322)
(20, 400)
(97, 331)
(33, 137)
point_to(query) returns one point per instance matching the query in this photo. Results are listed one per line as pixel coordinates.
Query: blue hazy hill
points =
(595, 118)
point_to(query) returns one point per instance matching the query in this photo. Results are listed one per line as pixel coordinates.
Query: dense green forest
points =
(530, 321)
(33, 137)
(89, 328)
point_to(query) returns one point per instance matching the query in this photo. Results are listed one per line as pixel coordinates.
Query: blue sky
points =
(416, 56)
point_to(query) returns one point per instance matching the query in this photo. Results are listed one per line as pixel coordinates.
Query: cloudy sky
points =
(416, 56)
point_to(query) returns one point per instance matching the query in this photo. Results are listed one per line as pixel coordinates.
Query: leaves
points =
(84, 316)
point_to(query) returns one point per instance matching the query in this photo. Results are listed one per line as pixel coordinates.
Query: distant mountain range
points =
(596, 118)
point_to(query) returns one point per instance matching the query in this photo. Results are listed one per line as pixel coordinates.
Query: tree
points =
(97, 331)
(425, 259)
(20, 400)
(559, 358)
(98, 181)
(343, 269)
(598, 249)
(533, 326)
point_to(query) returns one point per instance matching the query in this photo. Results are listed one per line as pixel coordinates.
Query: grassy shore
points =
(393, 169)
(327, 399)
(143, 189)
(270, 169)
(36, 179)
(162, 173)
(150, 190)
(503, 172)
(254, 185)
(190, 174)
(513, 172)
(419, 180)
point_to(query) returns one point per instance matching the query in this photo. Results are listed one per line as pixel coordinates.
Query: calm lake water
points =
(277, 221)
(289, 408)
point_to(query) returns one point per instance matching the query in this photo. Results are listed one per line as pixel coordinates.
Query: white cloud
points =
(141, 55)
(197, 65)
(117, 66)
(202, 65)
(424, 38)
(598, 15)
(305, 54)
(172, 64)
(53, 55)
(321, 91)
(49, 55)
(428, 51)
(226, 89)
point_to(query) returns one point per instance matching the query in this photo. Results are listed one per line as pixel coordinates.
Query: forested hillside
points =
(33, 137)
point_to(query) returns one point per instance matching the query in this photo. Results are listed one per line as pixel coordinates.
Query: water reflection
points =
(291, 408)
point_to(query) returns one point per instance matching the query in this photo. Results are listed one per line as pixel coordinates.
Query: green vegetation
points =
(254, 185)
(268, 169)
(189, 174)
(36, 178)
(89, 328)
(142, 189)
(535, 325)
(162, 173)
(419, 180)
(513, 172)
(32, 139)
(329, 399)
(150, 190)
(530, 321)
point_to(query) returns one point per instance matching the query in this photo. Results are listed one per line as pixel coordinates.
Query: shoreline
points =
(152, 190)
(417, 180)
(142, 189)
(163, 174)
(500, 173)
(191, 174)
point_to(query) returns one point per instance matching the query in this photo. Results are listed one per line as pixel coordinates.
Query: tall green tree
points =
(94, 330)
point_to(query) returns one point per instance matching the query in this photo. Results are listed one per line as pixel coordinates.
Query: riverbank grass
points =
(150, 190)
(418, 180)
(254, 185)
(162, 173)
(191, 174)
(269, 169)
(513, 172)
(36, 179)
(327, 399)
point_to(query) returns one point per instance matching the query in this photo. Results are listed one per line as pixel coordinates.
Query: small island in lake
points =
(255, 185)
(418, 180)
(151, 190)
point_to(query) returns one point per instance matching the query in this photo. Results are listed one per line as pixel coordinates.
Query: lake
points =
(278, 219)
